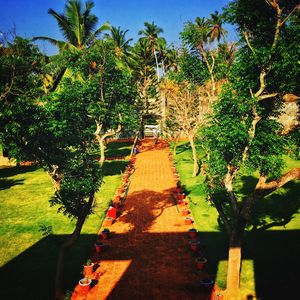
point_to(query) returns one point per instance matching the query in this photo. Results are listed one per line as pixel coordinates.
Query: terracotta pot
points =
(207, 283)
(192, 233)
(88, 270)
(194, 245)
(99, 247)
(181, 202)
(118, 197)
(185, 212)
(200, 262)
(105, 234)
(188, 221)
(84, 284)
(108, 221)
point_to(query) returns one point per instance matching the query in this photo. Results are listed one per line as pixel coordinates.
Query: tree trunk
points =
(102, 150)
(196, 167)
(175, 145)
(156, 62)
(59, 284)
(234, 264)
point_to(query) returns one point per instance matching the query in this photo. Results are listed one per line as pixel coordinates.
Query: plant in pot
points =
(194, 245)
(84, 284)
(88, 268)
(181, 202)
(192, 232)
(99, 246)
(188, 221)
(200, 262)
(105, 233)
(108, 221)
(185, 212)
(207, 284)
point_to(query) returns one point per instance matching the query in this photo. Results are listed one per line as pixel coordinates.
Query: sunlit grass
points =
(284, 201)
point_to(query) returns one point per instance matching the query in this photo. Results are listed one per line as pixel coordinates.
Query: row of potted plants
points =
(194, 242)
(99, 246)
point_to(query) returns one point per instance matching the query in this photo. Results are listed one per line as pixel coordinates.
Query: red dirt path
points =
(148, 255)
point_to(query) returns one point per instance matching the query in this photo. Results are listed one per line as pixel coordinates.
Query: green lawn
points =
(115, 149)
(25, 254)
(260, 268)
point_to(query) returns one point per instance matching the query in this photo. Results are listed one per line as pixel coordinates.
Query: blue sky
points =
(30, 17)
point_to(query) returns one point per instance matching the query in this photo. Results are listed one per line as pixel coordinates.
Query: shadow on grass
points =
(278, 209)
(118, 149)
(13, 171)
(275, 254)
(8, 183)
(114, 167)
(160, 262)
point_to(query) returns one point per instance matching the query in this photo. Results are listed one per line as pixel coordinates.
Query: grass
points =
(25, 253)
(117, 149)
(261, 249)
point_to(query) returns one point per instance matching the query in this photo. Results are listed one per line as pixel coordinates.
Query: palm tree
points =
(118, 36)
(77, 25)
(216, 31)
(150, 33)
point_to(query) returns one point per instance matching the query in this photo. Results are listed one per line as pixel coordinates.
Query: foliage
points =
(77, 24)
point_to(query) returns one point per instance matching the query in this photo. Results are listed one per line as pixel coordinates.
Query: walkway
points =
(148, 255)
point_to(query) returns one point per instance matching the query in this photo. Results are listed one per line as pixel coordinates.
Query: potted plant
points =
(108, 221)
(88, 268)
(194, 245)
(188, 221)
(192, 233)
(207, 283)
(200, 262)
(84, 284)
(105, 233)
(99, 246)
(185, 212)
(181, 202)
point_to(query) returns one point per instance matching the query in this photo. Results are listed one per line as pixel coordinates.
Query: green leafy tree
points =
(113, 102)
(55, 132)
(121, 43)
(78, 26)
(151, 34)
(199, 36)
(243, 133)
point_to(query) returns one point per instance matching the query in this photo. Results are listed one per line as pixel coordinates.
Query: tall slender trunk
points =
(134, 144)
(102, 150)
(59, 284)
(175, 145)
(234, 264)
(195, 167)
(156, 62)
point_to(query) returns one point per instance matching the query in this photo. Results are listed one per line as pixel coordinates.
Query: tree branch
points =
(248, 41)
(264, 188)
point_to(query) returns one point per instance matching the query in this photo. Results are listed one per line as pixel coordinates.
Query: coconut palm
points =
(77, 25)
(121, 43)
(216, 31)
(150, 33)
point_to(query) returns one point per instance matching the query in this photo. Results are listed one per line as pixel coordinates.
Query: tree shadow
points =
(278, 209)
(157, 260)
(8, 183)
(117, 149)
(114, 167)
(13, 171)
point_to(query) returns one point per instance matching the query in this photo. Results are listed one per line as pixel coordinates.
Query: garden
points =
(208, 202)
